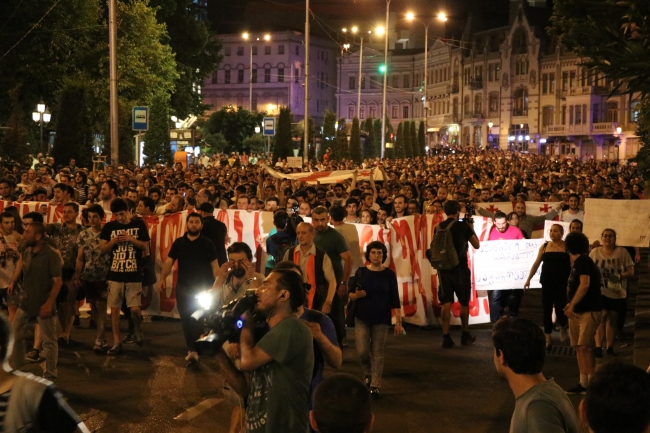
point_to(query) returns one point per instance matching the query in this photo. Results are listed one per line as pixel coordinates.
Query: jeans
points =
(503, 298)
(187, 305)
(50, 345)
(551, 296)
(370, 341)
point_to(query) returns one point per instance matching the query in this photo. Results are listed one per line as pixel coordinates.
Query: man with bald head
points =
(316, 268)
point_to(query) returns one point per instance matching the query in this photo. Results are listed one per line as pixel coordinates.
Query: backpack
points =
(282, 245)
(442, 253)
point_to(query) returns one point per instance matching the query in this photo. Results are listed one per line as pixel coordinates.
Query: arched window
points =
(478, 105)
(521, 103)
(519, 41)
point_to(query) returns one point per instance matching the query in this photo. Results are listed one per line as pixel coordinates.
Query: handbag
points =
(352, 304)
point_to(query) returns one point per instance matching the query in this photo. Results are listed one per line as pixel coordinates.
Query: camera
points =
(225, 323)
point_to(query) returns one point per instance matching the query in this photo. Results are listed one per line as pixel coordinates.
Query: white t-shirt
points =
(567, 216)
(610, 265)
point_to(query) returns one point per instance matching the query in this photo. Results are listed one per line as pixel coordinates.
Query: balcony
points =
(452, 88)
(604, 128)
(519, 112)
(475, 115)
(475, 83)
(587, 90)
(554, 130)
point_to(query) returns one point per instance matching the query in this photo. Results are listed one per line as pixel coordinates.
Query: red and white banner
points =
(533, 208)
(324, 176)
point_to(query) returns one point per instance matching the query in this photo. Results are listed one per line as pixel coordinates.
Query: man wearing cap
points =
(214, 230)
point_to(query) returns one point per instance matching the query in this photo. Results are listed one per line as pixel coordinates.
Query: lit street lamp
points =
(383, 108)
(247, 37)
(355, 30)
(619, 131)
(490, 125)
(42, 115)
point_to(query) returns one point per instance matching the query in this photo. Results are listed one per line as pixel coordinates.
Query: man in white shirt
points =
(574, 212)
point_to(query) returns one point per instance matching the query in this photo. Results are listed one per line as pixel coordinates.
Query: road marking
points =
(197, 410)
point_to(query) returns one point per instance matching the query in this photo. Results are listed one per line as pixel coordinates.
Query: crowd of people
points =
(315, 271)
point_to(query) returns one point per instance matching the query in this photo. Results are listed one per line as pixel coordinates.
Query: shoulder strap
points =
(545, 245)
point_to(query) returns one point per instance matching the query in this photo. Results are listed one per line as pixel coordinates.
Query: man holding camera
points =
(458, 279)
(280, 363)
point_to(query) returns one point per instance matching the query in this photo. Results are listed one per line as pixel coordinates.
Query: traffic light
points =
(382, 68)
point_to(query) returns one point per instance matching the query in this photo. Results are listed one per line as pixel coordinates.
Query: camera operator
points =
(457, 280)
(281, 363)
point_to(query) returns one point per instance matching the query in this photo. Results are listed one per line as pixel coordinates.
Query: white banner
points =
(630, 219)
(505, 265)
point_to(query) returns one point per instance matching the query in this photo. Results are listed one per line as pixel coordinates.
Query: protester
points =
(342, 404)
(9, 242)
(540, 404)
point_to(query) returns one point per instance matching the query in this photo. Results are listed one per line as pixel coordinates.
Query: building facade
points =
(510, 87)
(274, 68)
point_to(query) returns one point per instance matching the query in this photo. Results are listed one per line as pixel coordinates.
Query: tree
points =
(408, 147)
(311, 130)
(283, 142)
(421, 140)
(398, 145)
(13, 145)
(369, 149)
(216, 143)
(256, 143)
(329, 130)
(74, 123)
(156, 140)
(234, 124)
(340, 149)
(376, 129)
(414, 139)
(355, 142)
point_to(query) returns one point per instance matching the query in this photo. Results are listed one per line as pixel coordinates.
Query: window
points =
(466, 105)
(395, 81)
(240, 51)
(240, 76)
(296, 75)
(612, 112)
(373, 82)
(280, 49)
(635, 107)
(563, 115)
(565, 80)
(491, 72)
(551, 83)
(362, 79)
(547, 116)
(521, 102)
(351, 112)
(362, 113)
(226, 51)
(478, 105)
(373, 111)
(455, 108)
(280, 75)
(572, 79)
(405, 112)
(494, 103)
(578, 114)
(267, 75)
(393, 112)
(254, 51)
(215, 76)
(407, 84)
(254, 76)
(544, 84)
(226, 76)
(467, 75)
(267, 50)
(595, 116)
(570, 114)
(352, 83)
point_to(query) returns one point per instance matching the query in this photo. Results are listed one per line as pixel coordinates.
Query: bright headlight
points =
(205, 300)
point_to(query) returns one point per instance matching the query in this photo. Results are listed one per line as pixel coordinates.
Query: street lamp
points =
(247, 37)
(619, 130)
(42, 115)
(383, 108)
(355, 30)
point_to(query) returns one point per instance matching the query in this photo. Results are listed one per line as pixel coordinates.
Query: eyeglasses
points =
(609, 236)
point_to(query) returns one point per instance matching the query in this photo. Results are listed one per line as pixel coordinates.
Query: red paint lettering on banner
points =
(365, 237)
(409, 304)
(171, 228)
(238, 225)
(222, 215)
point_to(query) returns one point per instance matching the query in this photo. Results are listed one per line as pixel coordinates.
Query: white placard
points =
(630, 219)
(294, 161)
(505, 265)
(547, 228)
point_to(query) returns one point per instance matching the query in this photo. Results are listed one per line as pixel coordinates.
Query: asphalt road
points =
(426, 388)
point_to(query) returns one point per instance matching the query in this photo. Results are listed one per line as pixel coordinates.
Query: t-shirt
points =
(66, 242)
(333, 243)
(461, 232)
(567, 216)
(194, 263)
(39, 268)
(511, 233)
(279, 390)
(126, 259)
(96, 264)
(544, 408)
(327, 327)
(381, 295)
(351, 236)
(216, 232)
(8, 258)
(610, 266)
(591, 301)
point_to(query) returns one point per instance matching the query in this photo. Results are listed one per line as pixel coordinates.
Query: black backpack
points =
(442, 253)
(282, 245)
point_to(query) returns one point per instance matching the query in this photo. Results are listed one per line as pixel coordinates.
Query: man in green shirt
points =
(280, 363)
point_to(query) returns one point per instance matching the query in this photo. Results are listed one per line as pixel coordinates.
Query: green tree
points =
(388, 152)
(256, 143)
(369, 149)
(215, 143)
(74, 123)
(156, 140)
(283, 142)
(312, 135)
(421, 140)
(399, 145)
(355, 142)
(234, 124)
(329, 130)
(414, 138)
(408, 147)
(376, 129)
(340, 150)
(13, 145)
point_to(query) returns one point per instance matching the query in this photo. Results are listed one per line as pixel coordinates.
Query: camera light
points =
(205, 300)
(240, 323)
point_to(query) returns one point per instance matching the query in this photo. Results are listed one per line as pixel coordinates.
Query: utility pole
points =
(112, 49)
(306, 137)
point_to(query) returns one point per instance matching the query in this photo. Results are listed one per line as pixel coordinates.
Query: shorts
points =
(613, 304)
(455, 281)
(96, 291)
(14, 298)
(118, 291)
(582, 328)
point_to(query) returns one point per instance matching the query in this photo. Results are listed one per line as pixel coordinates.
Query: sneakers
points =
(115, 350)
(374, 393)
(578, 389)
(99, 346)
(466, 339)
(138, 338)
(33, 355)
(128, 339)
(447, 342)
(192, 357)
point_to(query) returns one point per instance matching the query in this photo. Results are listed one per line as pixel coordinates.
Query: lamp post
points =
(383, 108)
(247, 37)
(490, 125)
(305, 154)
(42, 115)
(619, 131)
(355, 30)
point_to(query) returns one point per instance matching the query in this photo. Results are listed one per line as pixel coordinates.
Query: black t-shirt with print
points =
(591, 301)
(126, 259)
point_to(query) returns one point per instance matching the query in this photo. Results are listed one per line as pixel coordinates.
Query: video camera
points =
(225, 323)
(470, 211)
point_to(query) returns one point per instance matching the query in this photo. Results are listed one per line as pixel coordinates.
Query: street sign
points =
(140, 118)
(269, 126)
